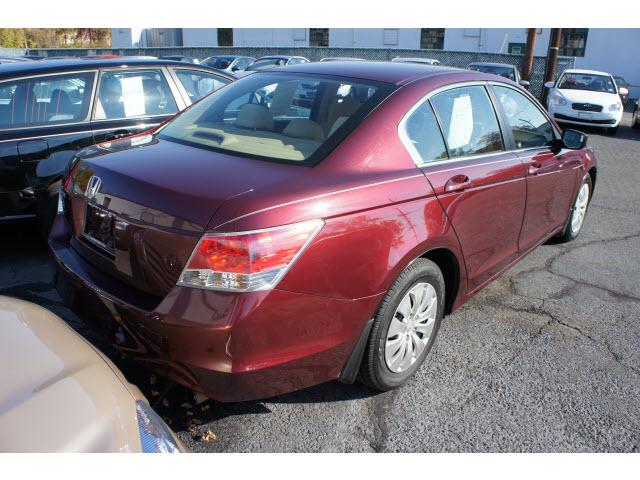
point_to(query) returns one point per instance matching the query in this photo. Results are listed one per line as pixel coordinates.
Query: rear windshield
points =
(219, 62)
(507, 72)
(277, 116)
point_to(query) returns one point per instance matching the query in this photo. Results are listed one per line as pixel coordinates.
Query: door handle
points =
(534, 168)
(117, 134)
(457, 183)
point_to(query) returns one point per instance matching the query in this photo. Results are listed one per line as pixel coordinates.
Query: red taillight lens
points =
(247, 261)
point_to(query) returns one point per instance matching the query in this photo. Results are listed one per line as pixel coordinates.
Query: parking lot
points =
(544, 359)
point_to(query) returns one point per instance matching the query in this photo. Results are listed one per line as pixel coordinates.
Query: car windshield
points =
(267, 63)
(587, 81)
(506, 71)
(277, 116)
(219, 62)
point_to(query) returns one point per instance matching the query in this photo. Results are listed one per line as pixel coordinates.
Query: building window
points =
(432, 38)
(390, 36)
(318, 37)
(225, 37)
(516, 48)
(574, 42)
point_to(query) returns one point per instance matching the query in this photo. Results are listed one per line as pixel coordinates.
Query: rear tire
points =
(578, 211)
(48, 209)
(405, 326)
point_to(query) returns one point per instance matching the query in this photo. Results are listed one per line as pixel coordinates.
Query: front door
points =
(551, 174)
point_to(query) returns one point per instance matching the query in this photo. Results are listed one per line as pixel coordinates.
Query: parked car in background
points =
(342, 59)
(50, 110)
(272, 61)
(427, 61)
(586, 97)
(228, 63)
(13, 60)
(58, 393)
(623, 88)
(180, 58)
(635, 116)
(501, 69)
(290, 246)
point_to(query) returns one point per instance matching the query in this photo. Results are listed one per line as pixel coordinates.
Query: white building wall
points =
(492, 40)
(271, 37)
(374, 37)
(127, 37)
(200, 37)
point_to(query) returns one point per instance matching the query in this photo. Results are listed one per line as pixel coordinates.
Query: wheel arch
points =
(449, 265)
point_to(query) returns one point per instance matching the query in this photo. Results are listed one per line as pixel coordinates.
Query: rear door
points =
(457, 143)
(552, 174)
(194, 84)
(44, 121)
(131, 100)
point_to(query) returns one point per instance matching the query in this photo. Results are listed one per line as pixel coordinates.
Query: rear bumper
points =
(231, 347)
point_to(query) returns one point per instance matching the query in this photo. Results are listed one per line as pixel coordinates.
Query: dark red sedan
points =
(313, 223)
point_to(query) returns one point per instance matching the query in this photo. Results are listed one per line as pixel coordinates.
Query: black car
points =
(50, 110)
(501, 69)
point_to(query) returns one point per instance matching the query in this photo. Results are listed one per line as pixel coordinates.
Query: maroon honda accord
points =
(313, 223)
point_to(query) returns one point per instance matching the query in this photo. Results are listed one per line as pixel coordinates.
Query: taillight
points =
(247, 261)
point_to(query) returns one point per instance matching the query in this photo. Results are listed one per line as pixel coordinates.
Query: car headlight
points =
(614, 107)
(155, 436)
(558, 100)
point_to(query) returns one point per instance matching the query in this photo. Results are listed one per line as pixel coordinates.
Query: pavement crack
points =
(382, 405)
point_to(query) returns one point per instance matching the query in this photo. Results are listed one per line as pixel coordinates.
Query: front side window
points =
(529, 126)
(48, 100)
(276, 116)
(133, 93)
(587, 81)
(424, 134)
(468, 121)
(199, 84)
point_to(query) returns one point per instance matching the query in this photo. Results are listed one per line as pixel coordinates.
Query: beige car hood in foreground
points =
(57, 393)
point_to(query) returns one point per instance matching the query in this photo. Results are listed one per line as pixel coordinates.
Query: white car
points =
(586, 97)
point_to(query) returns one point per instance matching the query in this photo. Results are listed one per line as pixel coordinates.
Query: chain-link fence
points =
(453, 59)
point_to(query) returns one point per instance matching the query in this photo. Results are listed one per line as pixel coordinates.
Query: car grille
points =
(587, 107)
(559, 116)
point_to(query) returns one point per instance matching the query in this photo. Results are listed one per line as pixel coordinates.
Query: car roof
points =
(493, 64)
(587, 72)
(42, 67)
(279, 56)
(397, 73)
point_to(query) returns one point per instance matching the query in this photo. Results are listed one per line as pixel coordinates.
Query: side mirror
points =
(235, 68)
(550, 84)
(623, 91)
(573, 139)
(525, 84)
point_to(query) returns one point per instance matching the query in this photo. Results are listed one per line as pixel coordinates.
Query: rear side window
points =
(48, 100)
(529, 126)
(422, 130)
(468, 121)
(199, 84)
(133, 93)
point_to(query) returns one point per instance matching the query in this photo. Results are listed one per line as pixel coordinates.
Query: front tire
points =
(635, 121)
(578, 211)
(405, 326)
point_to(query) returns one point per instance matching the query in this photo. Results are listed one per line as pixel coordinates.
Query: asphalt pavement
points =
(545, 359)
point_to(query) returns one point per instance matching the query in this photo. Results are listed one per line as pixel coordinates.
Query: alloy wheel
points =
(411, 327)
(580, 209)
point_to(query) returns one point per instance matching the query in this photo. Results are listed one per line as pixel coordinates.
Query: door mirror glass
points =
(549, 84)
(573, 139)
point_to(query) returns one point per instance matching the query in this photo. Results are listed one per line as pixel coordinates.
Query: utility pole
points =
(527, 61)
(552, 59)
